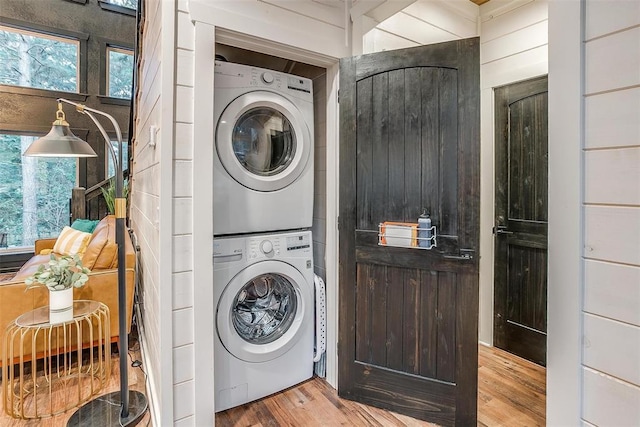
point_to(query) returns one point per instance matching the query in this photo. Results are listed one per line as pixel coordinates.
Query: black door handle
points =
(501, 229)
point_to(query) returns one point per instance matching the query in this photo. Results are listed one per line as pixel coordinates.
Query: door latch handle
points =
(464, 255)
(501, 229)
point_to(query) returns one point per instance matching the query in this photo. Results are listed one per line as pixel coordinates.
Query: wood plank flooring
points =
(136, 382)
(511, 392)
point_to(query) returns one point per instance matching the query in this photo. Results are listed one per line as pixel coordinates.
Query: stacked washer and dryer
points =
(262, 214)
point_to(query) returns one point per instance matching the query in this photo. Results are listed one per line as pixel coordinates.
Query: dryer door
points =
(261, 310)
(263, 141)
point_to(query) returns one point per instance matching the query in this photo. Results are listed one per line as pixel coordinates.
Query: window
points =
(34, 192)
(131, 4)
(36, 60)
(111, 170)
(119, 72)
(127, 7)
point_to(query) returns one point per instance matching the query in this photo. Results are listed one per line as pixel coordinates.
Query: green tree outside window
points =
(120, 72)
(39, 61)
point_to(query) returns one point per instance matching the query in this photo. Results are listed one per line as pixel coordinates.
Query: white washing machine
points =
(264, 332)
(263, 161)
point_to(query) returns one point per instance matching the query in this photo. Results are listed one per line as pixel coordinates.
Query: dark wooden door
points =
(409, 140)
(520, 297)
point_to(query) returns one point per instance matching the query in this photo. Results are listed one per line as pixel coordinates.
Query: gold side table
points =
(43, 369)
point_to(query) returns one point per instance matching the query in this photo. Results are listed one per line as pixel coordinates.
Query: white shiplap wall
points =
(182, 205)
(513, 47)
(150, 198)
(611, 311)
(422, 22)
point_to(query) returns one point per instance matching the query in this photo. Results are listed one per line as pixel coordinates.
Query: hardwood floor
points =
(136, 382)
(511, 392)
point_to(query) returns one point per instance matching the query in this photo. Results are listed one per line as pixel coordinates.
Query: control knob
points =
(266, 246)
(267, 78)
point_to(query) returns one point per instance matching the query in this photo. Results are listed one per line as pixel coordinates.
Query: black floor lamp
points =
(126, 407)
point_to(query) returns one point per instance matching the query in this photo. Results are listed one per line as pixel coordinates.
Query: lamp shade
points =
(60, 142)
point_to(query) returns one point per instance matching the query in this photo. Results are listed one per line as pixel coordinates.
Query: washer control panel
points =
(231, 75)
(297, 244)
(263, 247)
(300, 241)
(274, 246)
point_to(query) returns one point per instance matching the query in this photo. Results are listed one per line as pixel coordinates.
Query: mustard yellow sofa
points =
(100, 257)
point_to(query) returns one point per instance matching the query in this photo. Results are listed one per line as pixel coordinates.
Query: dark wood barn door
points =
(520, 301)
(409, 140)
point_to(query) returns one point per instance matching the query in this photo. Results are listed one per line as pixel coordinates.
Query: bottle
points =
(424, 230)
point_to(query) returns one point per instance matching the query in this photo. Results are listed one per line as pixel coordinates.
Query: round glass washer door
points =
(260, 311)
(263, 141)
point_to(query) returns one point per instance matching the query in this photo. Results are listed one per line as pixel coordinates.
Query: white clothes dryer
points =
(264, 299)
(263, 157)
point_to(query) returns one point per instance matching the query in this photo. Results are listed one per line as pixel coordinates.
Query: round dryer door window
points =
(261, 310)
(263, 141)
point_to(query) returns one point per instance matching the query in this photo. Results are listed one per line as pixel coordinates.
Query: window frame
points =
(107, 5)
(80, 38)
(107, 156)
(20, 131)
(105, 45)
(120, 50)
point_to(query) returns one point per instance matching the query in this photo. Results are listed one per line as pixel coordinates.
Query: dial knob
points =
(266, 246)
(267, 78)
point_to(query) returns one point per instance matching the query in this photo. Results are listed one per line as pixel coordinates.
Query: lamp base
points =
(105, 411)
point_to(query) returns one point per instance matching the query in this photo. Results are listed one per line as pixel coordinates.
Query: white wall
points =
(513, 47)
(150, 202)
(564, 285)
(611, 188)
(422, 22)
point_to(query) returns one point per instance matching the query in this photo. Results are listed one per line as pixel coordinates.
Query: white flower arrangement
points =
(60, 273)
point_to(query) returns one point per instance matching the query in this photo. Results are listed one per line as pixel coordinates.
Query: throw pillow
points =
(97, 243)
(86, 225)
(71, 242)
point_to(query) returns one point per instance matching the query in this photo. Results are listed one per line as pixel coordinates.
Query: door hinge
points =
(338, 96)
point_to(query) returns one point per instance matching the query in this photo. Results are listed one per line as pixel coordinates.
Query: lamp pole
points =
(61, 142)
(120, 210)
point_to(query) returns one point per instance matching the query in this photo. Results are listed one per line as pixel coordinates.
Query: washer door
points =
(263, 141)
(261, 310)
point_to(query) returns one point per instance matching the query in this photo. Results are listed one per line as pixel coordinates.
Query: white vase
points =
(60, 306)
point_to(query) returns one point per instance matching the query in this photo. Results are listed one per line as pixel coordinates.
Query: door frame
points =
(331, 64)
(499, 300)
(487, 188)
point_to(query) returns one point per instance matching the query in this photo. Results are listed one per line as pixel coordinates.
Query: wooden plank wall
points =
(611, 312)
(147, 189)
(423, 22)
